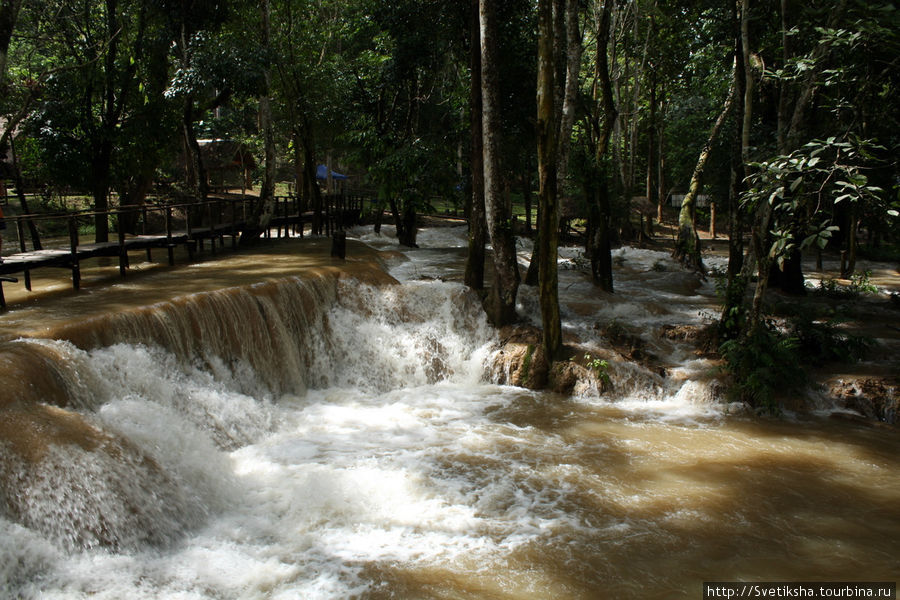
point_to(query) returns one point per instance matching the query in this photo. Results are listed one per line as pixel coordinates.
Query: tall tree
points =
(603, 118)
(559, 43)
(501, 301)
(733, 313)
(548, 164)
(687, 243)
(474, 275)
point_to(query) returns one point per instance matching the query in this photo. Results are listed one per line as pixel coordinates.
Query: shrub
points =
(822, 341)
(761, 364)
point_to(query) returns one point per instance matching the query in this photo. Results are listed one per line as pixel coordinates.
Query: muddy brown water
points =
(278, 425)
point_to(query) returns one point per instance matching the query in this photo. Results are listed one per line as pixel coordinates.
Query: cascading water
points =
(320, 437)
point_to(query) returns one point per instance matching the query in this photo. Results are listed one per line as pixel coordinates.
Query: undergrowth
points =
(762, 364)
(775, 359)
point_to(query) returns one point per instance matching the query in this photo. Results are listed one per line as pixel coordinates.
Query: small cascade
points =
(264, 336)
(400, 336)
(116, 438)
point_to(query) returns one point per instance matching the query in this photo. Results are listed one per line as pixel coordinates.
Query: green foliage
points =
(774, 359)
(526, 363)
(733, 319)
(599, 367)
(822, 341)
(859, 285)
(761, 365)
(806, 185)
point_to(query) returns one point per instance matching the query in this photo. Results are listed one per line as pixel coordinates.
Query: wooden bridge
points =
(161, 226)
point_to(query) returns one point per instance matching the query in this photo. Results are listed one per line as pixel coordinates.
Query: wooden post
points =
(712, 220)
(123, 253)
(234, 236)
(20, 228)
(279, 205)
(169, 245)
(73, 246)
(339, 245)
(144, 231)
(190, 228)
(212, 233)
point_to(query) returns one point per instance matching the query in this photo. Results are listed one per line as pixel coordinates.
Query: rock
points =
(873, 397)
(703, 338)
(520, 361)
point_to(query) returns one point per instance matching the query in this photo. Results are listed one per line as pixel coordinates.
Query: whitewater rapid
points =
(356, 447)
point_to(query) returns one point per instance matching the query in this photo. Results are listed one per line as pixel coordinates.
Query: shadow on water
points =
(651, 510)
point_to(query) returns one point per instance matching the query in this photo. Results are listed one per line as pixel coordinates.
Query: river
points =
(272, 425)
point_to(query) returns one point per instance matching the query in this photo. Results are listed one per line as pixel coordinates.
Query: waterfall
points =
(115, 436)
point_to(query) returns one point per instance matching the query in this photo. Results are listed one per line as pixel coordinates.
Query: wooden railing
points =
(59, 243)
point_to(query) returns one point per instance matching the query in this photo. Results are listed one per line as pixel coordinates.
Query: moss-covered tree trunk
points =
(547, 135)
(687, 243)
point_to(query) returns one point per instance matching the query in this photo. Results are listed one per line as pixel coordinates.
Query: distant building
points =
(701, 200)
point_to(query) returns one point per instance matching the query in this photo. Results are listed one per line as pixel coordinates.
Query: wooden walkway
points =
(215, 220)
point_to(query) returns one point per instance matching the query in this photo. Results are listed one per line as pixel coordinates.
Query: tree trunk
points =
(852, 244)
(474, 275)
(299, 172)
(600, 236)
(661, 159)
(404, 214)
(195, 169)
(549, 159)
(501, 302)
(312, 195)
(789, 278)
(598, 242)
(566, 120)
(409, 225)
(20, 192)
(264, 207)
(731, 322)
(687, 244)
(133, 194)
(652, 190)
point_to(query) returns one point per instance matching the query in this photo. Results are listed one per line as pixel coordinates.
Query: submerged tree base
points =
(687, 250)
